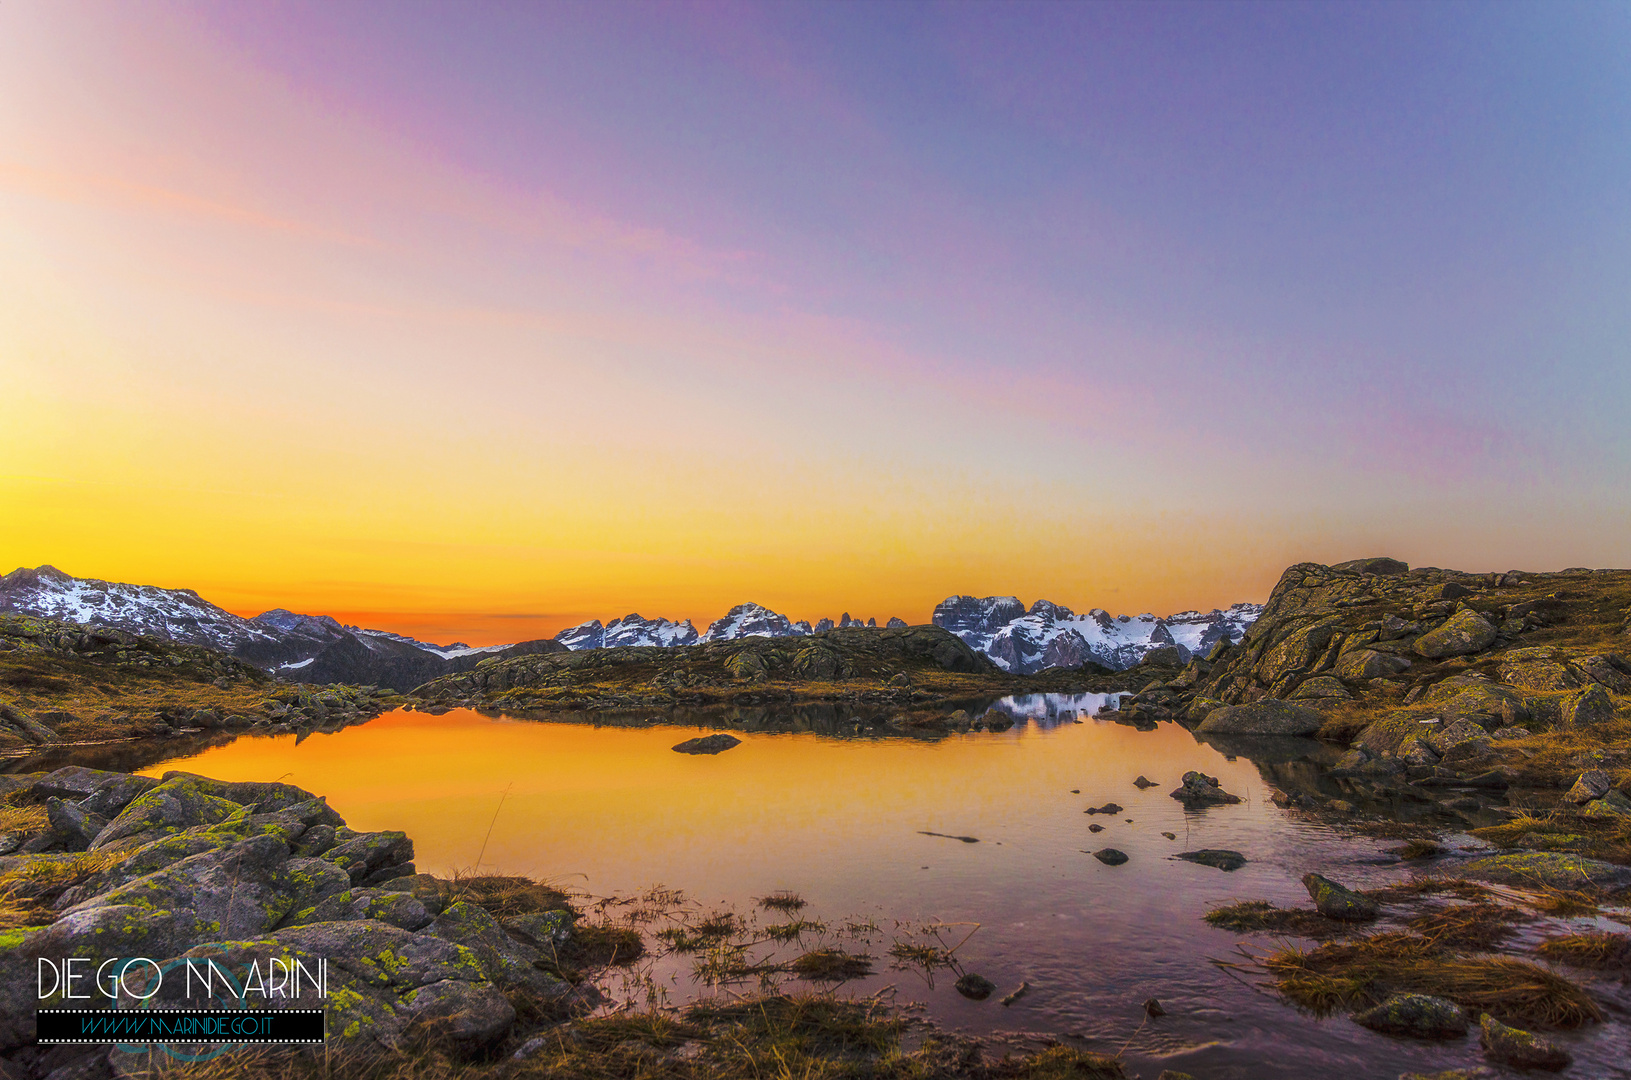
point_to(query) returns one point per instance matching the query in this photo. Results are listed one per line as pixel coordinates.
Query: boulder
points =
(1518, 1048)
(1417, 754)
(1386, 736)
(1219, 858)
(1488, 705)
(1588, 708)
(1538, 670)
(1420, 1015)
(1611, 807)
(1198, 789)
(1321, 688)
(168, 807)
(1269, 716)
(1592, 784)
(1464, 633)
(1337, 902)
(506, 961)
(1361, 665)
(1110, 856)
(366, 857)
(1442, 738)
(709, 744)
(1610, 669)
(73, 824)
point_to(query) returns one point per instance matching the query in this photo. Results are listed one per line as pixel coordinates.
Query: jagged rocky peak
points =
(1052, 635)
(896, 623)
(823, 626)
(961, 614)
(751, 620)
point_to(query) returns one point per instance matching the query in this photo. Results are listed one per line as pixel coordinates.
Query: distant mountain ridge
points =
(1051, 635)
(306, 648)
(319, 649)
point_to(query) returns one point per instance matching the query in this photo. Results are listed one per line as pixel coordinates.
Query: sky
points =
(476, 321)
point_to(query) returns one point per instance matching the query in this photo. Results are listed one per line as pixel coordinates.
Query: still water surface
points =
(613, 810)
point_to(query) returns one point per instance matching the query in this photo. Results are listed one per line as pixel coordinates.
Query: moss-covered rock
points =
(1338, 902)
(1521, 1049)
(1418, 1015)
(1463, 633)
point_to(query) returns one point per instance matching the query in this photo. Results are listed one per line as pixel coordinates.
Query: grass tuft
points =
(1368, 970)
(1597, 950)
(831, 965)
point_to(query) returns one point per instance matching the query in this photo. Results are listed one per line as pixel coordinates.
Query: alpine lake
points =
(934, 854)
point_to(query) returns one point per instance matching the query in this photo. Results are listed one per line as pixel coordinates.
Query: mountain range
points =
(319, 649)
(1051, 635)
(302, 648)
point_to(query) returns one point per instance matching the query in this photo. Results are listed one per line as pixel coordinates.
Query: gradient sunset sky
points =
(478, 320)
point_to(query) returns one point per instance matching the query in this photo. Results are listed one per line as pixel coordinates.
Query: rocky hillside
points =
(1428, 675)
(61, 682)
(1051, 635)
(901, 663)
(303, 648)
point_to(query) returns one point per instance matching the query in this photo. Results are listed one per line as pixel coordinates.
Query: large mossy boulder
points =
(1464, 633)
(1518, 1048)
(1360, 665)
(1270, 716)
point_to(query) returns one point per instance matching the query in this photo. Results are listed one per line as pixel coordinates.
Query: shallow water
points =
(841, 821)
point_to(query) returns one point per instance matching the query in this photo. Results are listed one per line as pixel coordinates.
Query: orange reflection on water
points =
(614, 809)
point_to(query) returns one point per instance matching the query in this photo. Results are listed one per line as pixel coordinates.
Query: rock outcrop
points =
(188, 867)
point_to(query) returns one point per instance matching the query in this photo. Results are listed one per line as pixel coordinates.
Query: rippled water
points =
(610, 808)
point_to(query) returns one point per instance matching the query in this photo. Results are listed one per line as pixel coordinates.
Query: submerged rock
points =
(1338, 902)
(1420, 1015)
(1220, 858)
(710, 744)
(975, 987)
(1199, 789)
(1523, 1049)
(1107, 808)
(1110, 856)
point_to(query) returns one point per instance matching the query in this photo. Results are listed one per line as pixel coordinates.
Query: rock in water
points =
(1143, 782)
(1152, 1008)
(1465, 632)
(1095, 828)
(1199, 789)
(1107, 808)
(1221, 858)
(1420, 1015)
(1110, 856)
(1267, 717)
(1336, 902)
(711, 744)
(1512, 1046)
(975, 987)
